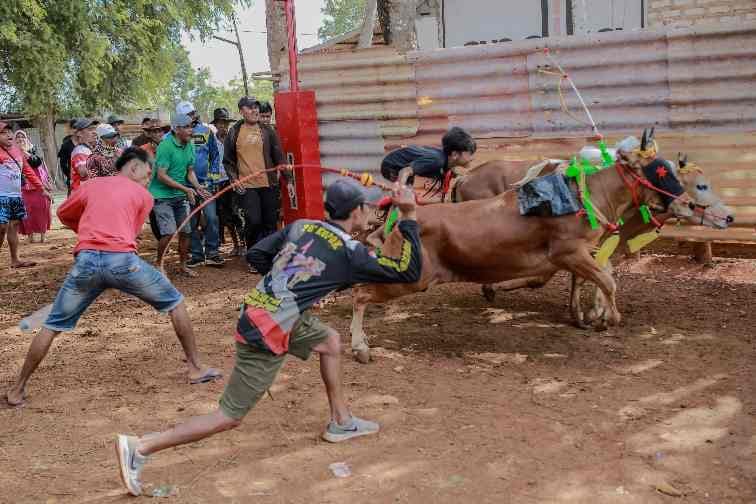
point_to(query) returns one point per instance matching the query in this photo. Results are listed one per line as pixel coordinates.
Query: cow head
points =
(704, 206)
(685, 192)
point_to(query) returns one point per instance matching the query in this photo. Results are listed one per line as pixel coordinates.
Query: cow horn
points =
(644, 139)
(651, 134)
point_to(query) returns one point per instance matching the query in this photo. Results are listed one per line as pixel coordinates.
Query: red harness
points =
(634, 184)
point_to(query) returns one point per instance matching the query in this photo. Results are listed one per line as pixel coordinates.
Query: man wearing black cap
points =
(152, 134)
(302, 263)
(64, 153)
(228, 214)
(250, 149)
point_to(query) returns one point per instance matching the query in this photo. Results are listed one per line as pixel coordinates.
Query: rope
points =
(562, 99)
(364, 178)
(565, 75)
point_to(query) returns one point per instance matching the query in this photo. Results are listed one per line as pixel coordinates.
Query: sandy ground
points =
(478, 402)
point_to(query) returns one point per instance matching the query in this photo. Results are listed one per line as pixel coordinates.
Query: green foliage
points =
(341, 16)
(90, 55)
(195, 85)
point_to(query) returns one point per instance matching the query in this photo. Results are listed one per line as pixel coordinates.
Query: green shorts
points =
(255, 369)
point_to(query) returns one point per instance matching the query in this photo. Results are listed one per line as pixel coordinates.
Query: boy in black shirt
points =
(429, 162)
(302, 263)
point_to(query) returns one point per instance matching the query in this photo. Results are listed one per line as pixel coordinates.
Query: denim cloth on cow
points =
(547, 196)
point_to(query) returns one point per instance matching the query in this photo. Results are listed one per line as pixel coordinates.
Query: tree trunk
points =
(398, 22)
(46, 126)
(275, 20)
(368, 24)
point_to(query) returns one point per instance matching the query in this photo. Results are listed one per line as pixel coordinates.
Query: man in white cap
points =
(206, 238)
(174, 187)
(102, 161)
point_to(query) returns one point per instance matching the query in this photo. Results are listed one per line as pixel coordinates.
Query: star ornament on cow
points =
(661, 172)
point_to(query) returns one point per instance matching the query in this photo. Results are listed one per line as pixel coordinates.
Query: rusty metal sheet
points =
(695, 85)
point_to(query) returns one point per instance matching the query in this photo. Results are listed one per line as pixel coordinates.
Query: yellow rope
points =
(562, 99)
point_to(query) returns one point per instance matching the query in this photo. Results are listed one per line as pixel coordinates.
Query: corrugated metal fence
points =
(696, 86)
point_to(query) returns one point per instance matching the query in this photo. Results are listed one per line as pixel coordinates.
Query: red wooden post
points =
(297, 125)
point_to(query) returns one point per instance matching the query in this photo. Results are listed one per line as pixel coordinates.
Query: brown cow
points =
(496, 177)
(488, 241)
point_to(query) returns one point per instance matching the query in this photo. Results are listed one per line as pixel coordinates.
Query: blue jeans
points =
(94, 271)
(205, 242)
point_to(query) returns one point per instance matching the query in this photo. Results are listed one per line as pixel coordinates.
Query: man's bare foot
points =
(187, 272)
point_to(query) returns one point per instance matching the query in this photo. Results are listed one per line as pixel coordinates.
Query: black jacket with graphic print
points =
(308, 260)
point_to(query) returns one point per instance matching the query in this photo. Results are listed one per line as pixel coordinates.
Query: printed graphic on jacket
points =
(306, 261)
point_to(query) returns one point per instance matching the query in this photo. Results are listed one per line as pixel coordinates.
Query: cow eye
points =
(702, 187)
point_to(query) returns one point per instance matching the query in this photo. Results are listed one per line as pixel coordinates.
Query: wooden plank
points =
(699, 234)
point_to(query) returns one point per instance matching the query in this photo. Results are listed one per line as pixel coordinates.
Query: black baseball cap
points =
(114, 119)
(220, 114)
(248, 101)
(344, 195)
(84, 123)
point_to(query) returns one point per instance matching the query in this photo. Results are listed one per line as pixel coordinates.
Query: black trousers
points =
(228, 214)
(261, 208)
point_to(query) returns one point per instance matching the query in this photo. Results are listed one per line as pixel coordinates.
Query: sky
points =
(223, 60)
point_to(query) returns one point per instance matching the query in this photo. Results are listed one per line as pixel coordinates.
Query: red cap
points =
(4, 125)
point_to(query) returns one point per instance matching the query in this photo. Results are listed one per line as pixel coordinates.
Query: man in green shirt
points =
(174, 186)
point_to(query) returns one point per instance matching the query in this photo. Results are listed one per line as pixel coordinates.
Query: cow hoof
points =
(594, 314)
(488, 292)
(361, 356)
(580, 323)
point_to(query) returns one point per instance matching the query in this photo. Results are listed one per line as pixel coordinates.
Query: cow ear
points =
(644, 139)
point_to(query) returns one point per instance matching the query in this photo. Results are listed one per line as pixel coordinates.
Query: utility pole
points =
(238, 45)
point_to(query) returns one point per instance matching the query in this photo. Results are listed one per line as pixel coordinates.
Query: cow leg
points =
(583, 265)
(576, 309)
(360, 348)
(600, 303)
(488, 292)
(534, 282)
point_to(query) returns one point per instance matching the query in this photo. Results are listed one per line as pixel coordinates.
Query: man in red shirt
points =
(86, 139)
(107, 214)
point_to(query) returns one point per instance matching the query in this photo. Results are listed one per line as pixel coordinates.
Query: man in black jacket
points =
(302, 263)
(64, 155)
(251, 148)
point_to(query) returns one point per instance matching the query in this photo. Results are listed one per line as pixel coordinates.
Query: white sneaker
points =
(336, 433)
(130, 463)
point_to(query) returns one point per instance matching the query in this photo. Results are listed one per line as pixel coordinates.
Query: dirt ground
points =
(478, 402)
